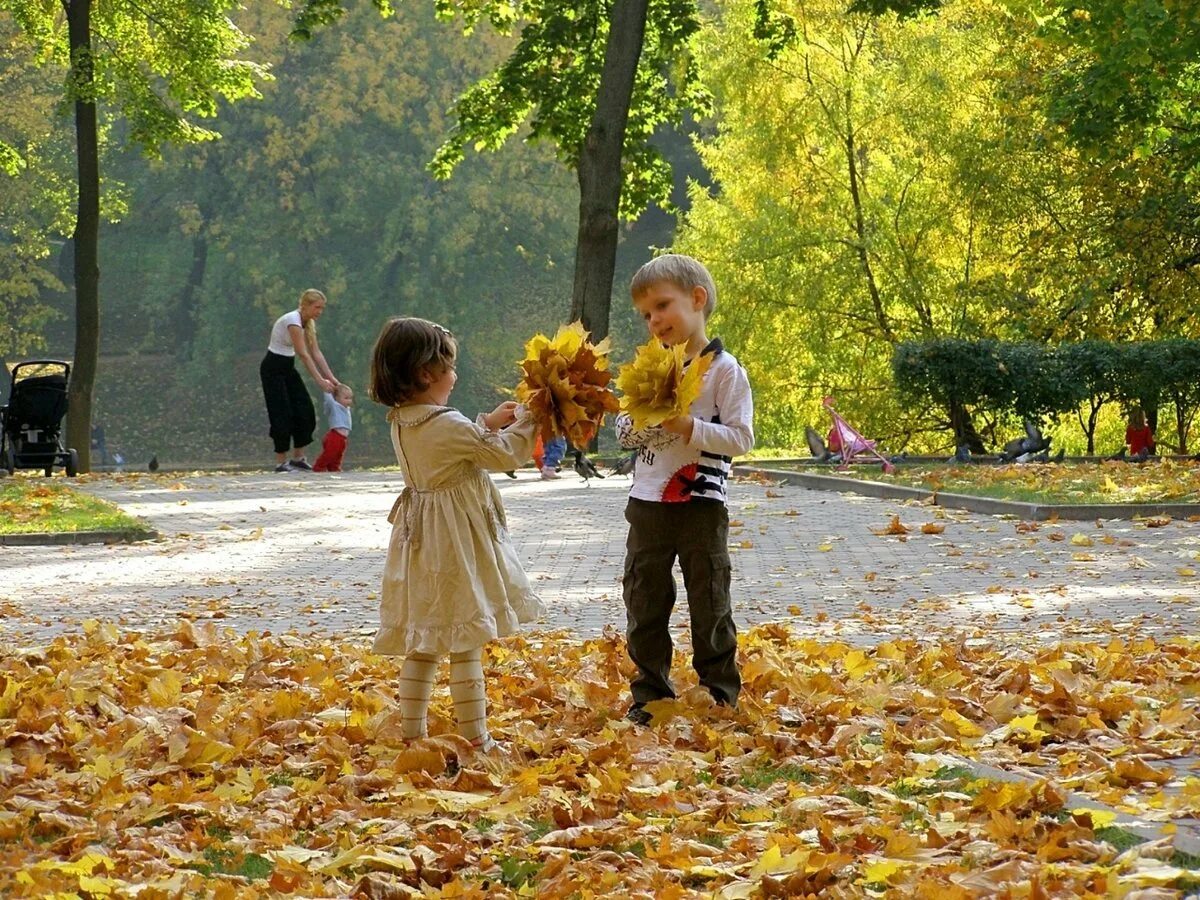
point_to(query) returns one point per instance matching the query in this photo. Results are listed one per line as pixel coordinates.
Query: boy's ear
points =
(699, 298)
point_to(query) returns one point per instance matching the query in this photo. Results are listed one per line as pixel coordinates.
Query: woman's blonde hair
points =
(407, 351)
(308, 298)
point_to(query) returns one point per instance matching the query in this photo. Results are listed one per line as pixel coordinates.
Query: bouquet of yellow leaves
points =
(566, 384)
(657, 386)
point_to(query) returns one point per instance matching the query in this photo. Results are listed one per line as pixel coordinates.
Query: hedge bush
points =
(1039, 381)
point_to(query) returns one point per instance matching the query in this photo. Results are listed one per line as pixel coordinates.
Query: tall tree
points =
(596, 79)
(158, 64)
(848, 209)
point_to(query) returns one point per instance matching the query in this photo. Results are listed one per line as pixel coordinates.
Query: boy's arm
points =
(734, 434)
(628, 437)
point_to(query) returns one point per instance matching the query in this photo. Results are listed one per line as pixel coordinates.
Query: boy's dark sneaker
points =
(283, 467)
(638, 715)
(300, 464)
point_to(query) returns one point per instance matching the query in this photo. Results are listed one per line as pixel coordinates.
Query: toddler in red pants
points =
(337, 413)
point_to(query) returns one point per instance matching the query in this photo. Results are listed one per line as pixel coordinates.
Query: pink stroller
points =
(845, 439)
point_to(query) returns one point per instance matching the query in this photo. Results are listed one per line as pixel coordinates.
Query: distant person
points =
(337, 414)
(99, 444)
(453, 579)
(289, 408)
(1139, 436)
(552, 457)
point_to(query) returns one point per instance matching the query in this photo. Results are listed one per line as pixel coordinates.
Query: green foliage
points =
(551, 80)
(1131, 81)
(1035, 381)
(158, 64)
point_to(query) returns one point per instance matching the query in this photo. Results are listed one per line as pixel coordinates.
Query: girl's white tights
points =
(466, 689)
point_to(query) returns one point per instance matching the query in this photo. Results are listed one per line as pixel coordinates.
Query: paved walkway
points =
(305, 552)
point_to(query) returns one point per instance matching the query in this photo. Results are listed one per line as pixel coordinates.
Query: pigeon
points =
(816, 446)
(585, 468)
(153, 464)
(962, 454)
(624, 466)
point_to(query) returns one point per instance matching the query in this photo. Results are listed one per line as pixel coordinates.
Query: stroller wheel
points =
(72, 463)
(10, 459)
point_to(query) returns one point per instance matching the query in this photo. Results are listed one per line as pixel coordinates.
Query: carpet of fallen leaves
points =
(1159, 481)
(199, 762)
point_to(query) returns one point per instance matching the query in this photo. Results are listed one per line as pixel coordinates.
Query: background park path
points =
(305, 552)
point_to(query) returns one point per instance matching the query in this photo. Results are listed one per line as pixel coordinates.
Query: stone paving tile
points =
(305, 552)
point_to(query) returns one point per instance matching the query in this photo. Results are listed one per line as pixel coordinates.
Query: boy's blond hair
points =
(682, 271)
(343, 390)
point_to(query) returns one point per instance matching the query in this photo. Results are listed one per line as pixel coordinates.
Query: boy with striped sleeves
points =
(676, 505)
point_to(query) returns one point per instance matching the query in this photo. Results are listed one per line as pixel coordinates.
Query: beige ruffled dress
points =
(453, 580)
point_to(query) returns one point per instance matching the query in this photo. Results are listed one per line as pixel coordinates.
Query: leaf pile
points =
(657, 385)
(201, 763)
(565, 384)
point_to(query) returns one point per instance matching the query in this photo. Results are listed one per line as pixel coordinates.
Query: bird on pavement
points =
(585, 469)
(624, 466)
(153, 464)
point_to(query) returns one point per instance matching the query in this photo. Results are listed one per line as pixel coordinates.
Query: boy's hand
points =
(680, 425)
(504, 414)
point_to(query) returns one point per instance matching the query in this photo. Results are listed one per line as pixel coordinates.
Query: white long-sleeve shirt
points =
(671, 470)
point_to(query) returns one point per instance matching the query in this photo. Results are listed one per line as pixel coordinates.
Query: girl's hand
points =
(504, 414)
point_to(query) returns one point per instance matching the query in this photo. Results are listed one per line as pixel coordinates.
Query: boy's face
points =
(673, 315)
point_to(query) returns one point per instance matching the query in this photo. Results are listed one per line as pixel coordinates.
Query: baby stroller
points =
(32, 420)
(849, 442)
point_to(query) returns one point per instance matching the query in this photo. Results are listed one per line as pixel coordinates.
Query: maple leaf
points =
(895, 526)
(565, 385)
(659, 384)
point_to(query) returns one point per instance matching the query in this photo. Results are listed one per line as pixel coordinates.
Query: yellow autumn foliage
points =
(659, 384)
(565, 384)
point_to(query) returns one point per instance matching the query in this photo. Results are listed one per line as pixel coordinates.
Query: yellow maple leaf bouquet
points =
(566, 384)
(657, 385)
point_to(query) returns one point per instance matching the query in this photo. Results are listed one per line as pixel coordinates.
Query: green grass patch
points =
(1165, 481)
(857, 795)
(516, 872)
(41, 505)
(758, 777)
(1182, 860)
(220, 861)
(1118, 838)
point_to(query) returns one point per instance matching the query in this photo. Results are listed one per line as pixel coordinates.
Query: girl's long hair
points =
(308, 298)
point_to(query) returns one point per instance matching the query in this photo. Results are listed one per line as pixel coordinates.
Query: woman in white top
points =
(289, 408)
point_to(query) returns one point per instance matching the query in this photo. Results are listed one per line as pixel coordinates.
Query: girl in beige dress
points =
(453, 580)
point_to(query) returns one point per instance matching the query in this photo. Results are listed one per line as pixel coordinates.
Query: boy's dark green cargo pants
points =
(697, 533)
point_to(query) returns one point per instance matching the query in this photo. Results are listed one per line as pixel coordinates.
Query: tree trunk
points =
(860, 231)
(599, 169)
(87, 234)
(964, 429)
(184, 325)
